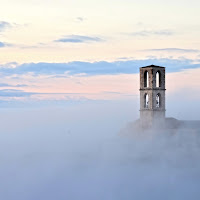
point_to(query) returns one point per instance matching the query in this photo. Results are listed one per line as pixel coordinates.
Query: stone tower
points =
(152, 96)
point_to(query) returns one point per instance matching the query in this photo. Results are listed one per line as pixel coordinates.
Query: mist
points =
(82, 151)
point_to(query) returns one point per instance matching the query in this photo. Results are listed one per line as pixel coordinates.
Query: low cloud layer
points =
(175, 50)
(4, 44)
(10, 85)
(4, 25)
(77, 153)
(148, 33)
(80, 19)
(78, 39)
(14, 93)
(96, 68)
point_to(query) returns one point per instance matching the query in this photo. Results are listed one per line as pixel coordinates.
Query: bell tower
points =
(152, 96)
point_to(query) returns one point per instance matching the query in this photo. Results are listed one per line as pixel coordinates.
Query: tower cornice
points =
(151, 89)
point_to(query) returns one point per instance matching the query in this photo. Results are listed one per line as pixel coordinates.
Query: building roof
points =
(153, 66)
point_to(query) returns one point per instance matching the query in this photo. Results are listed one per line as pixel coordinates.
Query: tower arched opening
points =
(158, 79)
(146, 101)
(146, 79)
(158, 100)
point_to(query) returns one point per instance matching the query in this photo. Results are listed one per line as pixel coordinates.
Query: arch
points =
(146, 79)
(158, 79)
(158, 100)
(146, 101)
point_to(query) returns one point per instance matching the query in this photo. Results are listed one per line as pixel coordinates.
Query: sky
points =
(64, 31)
(92, 50)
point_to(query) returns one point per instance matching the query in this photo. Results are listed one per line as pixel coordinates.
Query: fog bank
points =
(77, 153)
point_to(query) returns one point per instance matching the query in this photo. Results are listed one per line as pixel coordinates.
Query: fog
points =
(81, 151)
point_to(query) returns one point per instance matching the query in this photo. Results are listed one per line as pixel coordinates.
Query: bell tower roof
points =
(152, 66)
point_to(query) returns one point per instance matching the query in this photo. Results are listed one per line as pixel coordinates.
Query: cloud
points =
(78, 39)
(96, 68)
(22, 93)
(14, 93)
(147, 33)
(9, 85)
(3, 44)
(80, 19)
(4, 25)
(175, 50)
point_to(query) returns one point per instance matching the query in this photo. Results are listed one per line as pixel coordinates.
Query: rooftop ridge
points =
(153, 66)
